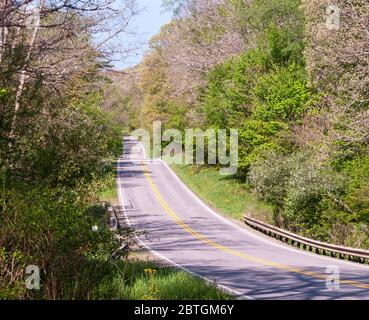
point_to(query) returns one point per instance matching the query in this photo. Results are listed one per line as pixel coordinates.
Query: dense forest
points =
(57, 141)
(292, 77)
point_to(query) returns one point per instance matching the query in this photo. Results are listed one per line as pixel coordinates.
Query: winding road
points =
(182, 230)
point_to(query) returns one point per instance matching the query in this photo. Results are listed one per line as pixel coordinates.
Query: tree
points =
(47, 43)
(55, 141)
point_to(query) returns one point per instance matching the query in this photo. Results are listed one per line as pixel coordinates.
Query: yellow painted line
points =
(229, 250)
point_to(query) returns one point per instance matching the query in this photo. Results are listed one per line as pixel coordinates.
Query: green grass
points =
(109, 191)
(226, 194)
(138, 280)
(109, 195)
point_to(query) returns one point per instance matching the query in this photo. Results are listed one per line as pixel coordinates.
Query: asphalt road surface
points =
(181, 229)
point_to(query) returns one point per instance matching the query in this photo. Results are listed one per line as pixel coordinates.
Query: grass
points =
(109, 194)
(226, 194)
(109, 190)
(139, 280)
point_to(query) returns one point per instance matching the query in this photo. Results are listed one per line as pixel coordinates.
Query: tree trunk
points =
(4, 31)
(23, 74)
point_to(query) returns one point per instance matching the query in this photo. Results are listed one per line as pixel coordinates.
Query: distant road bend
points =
(184, 231)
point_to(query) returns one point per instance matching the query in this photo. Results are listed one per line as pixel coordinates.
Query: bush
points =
(51, 229)
(270, 176)
(306, 192)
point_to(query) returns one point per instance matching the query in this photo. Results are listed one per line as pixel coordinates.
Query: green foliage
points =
(270, 177)
(51, 166)
(261, 104)
(226, 99)
(49, 228)
(357, 196)
(312, 198)
(2, 93)
(281, 95)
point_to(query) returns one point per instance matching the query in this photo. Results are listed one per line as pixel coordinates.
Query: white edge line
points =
(224, 288)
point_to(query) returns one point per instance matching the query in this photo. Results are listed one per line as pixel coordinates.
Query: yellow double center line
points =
(229, 250)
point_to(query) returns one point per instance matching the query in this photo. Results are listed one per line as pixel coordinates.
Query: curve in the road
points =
(184, 231)
(229, 250)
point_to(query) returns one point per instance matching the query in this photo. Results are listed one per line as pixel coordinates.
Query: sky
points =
(147, 24)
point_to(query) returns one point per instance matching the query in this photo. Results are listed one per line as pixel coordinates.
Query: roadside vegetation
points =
(138, 280)
(57, 144)
(292, 78)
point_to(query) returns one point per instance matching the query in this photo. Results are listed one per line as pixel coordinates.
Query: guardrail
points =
(339, 252)
(114, 225)
(113, 220)
(111, 212)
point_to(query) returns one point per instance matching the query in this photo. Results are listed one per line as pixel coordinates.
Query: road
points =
(182, 230)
